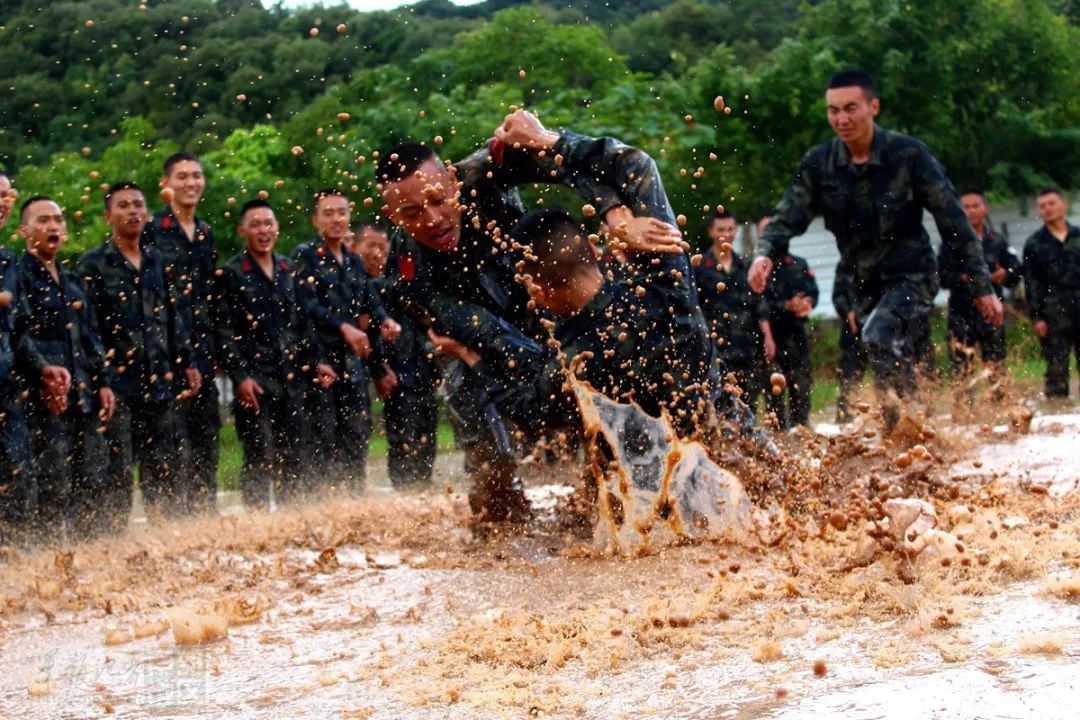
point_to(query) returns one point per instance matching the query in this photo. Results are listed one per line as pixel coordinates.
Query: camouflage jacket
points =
(333, 293)
(9, 282)
(732, 310)
(263, 331)
(791, 275)
(146, 343)
(997, 253)
(1052, 274)
(471, 293)
(55, 324)
(189, 267)
(876, 212)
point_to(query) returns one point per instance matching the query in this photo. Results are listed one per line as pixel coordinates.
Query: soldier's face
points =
(851, 113)
(332, 217)
(975, 208)
(373, 248)
(44, 229)
(722, 231)
(259, 228)
(1051, 208)
(425, 205)
(187, 182)
(7, 199)
(127, 214)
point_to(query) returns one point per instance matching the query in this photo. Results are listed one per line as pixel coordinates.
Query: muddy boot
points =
(498, 496)
(891, 409)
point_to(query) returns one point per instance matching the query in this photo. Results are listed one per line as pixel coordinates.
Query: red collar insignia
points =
(406, 267)
(283, 265)
(245, 265)
(788, 260)
(709, 263)
(166, 222)
(322, 251)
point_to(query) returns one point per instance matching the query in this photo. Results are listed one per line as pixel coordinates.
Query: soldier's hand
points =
(194, 380)
(852, 323)
(770, 348)
(325, 375)
(990, 307)
(450, 346)
(386, 385)
(390, 329)
(6, 298)
(758, 274)
(356, 339)
(803, 306)
(108, 404)
(248, 392)
(1041, 329)
(522, 129)
(998, 276)
(630, 234)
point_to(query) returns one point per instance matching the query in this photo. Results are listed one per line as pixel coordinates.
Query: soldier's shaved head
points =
(557, 250)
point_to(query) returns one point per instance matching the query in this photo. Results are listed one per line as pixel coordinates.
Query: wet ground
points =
(386, 607)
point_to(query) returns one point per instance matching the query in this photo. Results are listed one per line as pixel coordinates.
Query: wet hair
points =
(178, 157)
(324, 193)
(402, 160)
(853, 78)
(359, 230)
(556, 250)
(253, 204)
(117, 187)
(973, 191)
(1052, 191)
(30, 201)
(721, 214)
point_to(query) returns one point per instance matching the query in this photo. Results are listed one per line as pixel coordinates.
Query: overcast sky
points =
(361, 4)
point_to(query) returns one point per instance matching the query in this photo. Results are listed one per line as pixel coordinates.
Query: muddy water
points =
(411, 618)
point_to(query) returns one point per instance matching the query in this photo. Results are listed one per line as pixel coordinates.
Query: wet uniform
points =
(147, 349)
(14, 439)
(791, 276)
(853, 359)
(189, 268)
(263, 333)
(875, 211)
(966, 326)
(1052, 282)
(734, 314)
(339, 418)
(55, 324)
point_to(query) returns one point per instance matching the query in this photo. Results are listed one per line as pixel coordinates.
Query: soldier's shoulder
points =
(235, 264)
(92, 257)
(284, 264)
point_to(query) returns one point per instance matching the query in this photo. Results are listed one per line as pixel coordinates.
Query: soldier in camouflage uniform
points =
(853, 359)
(1052, 281)
(792, 294)
(872, 185)
(59, 347)
(967, 330)
(186, 242)
(268, 347)
(738, 319)
(14, 439)
(457, 271)
(406, 379)
(344, 308)
(148, 353)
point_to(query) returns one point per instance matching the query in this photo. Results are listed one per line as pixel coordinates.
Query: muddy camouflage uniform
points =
(791, 276)
(14, 439)
(966, 325)
(733, 315)
(875, 211)
(147, 349)
(55, 324)
(190, 267)
(853, 359)
(264, 333)
(1052, 282)
(339, 418)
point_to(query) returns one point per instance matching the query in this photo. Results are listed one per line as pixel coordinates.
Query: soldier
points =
(968, 332)
(14, 439)
(1052, 281)
(406, 381)
(268, 347)
(871, 185)
(853, 359)
(334, 293)
(738, 319)
(792, 294)
(186, 242)
(457, 270)
(59, 346)
(148, 352)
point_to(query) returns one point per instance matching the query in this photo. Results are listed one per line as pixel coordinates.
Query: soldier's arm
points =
(810, 284)
(227, 329)
(1011, 263)
(1033, 285)
(948, 273)
(325, 321)
(937, 195)
(792, 214)
(28, 358)
(843, 293)
(93, 348)
(535, 398)
(180, 346)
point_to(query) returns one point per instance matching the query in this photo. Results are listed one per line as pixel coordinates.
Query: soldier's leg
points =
(318, 435)
(50, 469)
(777, 403)
(204, 434)
(411, 417)
(962, 343)
(1056, 349)
(120, 443)
(88, 516)
(255, 434)
(849, 372)
(14, 467)
(353, 407)
(291, 455)
(890, 332)
(800, 378)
